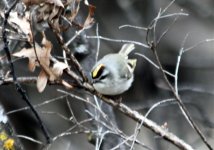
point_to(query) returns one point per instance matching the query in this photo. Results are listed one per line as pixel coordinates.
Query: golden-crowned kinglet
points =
(113, 74)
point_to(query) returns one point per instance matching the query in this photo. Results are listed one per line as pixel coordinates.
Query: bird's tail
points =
(126, 49)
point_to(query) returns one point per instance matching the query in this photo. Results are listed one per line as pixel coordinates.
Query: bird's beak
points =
(95, 81)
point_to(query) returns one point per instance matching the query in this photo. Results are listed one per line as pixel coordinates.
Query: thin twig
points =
(130, 138)
(181, 104)
(116, 40)
(80, 125)
(139, 125)
(177, 68)
(71, 133)
(5, 81)
(56, 114)
(155, 65)
(154, 26)
(84, 100)
(71, 111)
(186, 113)
(132, 26)
(167, 7)
(37, 105)
(68, 51)
(138, 117)
(100, 133)
(98, 43)
(117, 132)
(30, 139)
(167, 30)
(197, 44)
(178, 62)
(74, 37)
(65, 59)
(68, 132)
(172, 15)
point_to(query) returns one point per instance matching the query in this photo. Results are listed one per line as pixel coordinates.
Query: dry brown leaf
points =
(40, 56)
(89, 20)
(30, 54)
(50, 11)
(67, 85)
(34, 2)
(41, 81)
(21, 24)
(58, 68)
(53, 74)
(74, 13)
(56, 2)
(43, 55)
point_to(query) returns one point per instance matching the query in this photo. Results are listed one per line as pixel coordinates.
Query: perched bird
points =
(113, 74)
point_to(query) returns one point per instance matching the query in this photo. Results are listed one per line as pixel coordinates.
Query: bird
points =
(114, 73)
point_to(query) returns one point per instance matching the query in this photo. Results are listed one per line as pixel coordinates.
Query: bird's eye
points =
(103, 77)
(97, 72)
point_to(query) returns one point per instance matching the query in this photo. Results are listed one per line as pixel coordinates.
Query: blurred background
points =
(195, 76)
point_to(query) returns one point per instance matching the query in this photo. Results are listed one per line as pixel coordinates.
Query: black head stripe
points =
(96, 73)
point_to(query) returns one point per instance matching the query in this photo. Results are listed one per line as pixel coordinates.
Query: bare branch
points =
(98, 43)
(68, 132)
(67, 50)
(37, 105)
(167, 30)
(138, 117)
(197, 44)
(139, 125)
(186, 113)
(171, 15)
(181, 104)
(131, 26)
(155, 65)
(118, 41)
(30, 139)
(178, 63)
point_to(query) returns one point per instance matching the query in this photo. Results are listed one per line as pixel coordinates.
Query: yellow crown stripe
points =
(96, 70)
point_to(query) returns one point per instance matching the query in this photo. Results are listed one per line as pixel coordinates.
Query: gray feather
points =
(126, 49)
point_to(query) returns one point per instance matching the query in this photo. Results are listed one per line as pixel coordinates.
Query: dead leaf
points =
(67, 85)
(74, 12)
(40, 56)
(58, 68)
(50, 12)
(30, 54)
(55, 2)
(34, 2)
(89, 20)
(21, 24)
(42, 53)
(41, 81)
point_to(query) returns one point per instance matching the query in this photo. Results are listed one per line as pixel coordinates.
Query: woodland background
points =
(187, 27)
